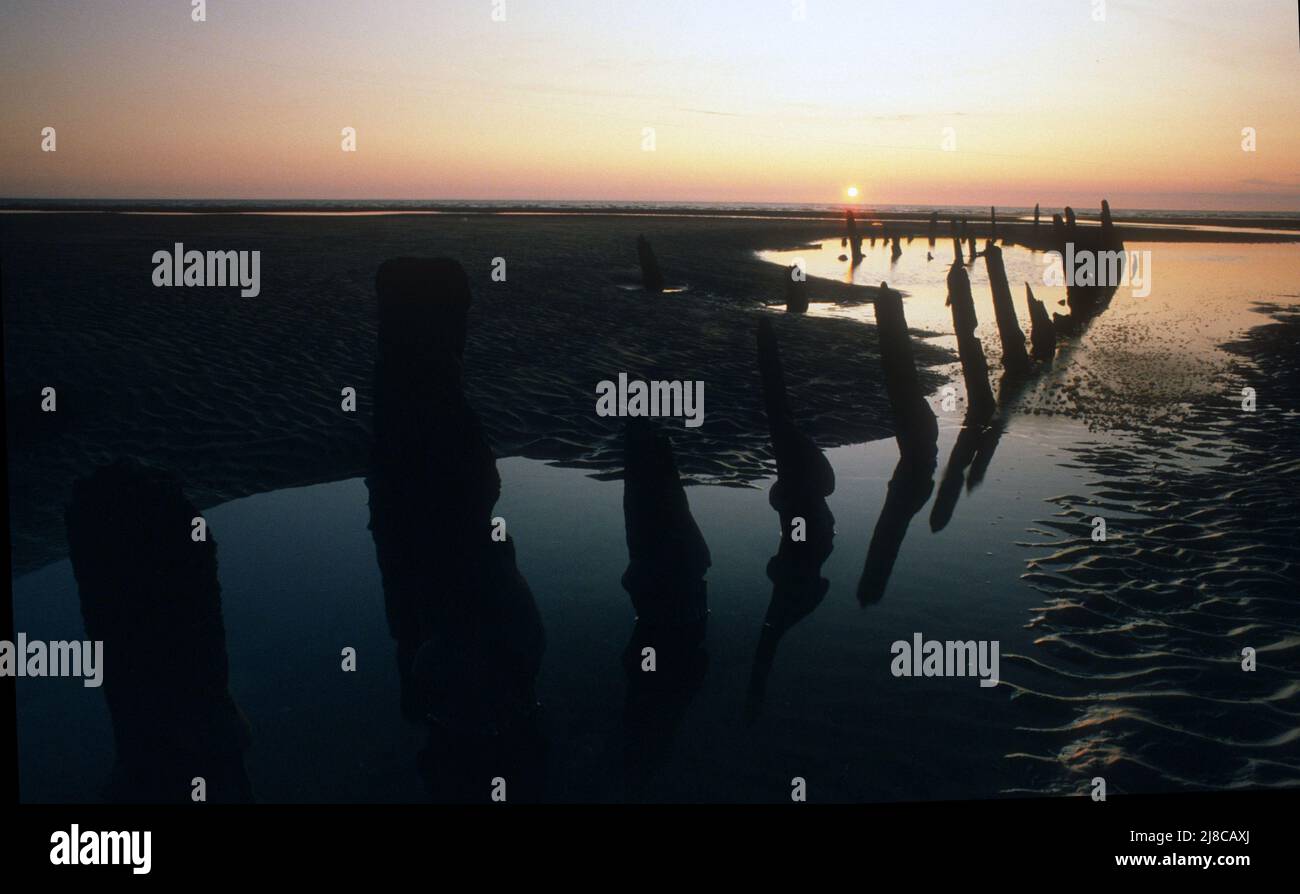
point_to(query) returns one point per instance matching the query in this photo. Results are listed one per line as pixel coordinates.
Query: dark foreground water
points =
(1119, 659)
(300, 582)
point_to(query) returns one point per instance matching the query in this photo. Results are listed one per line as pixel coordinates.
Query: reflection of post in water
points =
(665, 659)
(974, 450)
(804, 480)
(469, 637)
(987, 446)
(149, 591)
(917, 433)
(909, 489)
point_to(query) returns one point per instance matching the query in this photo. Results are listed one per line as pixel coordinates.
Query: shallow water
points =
(1117, 659)
(922, 282)
(1147, 358)
(1204, 290)
(300, 582)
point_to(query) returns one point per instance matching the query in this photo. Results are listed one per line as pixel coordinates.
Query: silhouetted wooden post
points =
(425, 432)
(796, 291)
(1071, 229)
(804, 475)
(1042, 330)
(651, 278)
(975, 370)
(1110, 238)
(667, 562)
(855, 241)
(804, 480)
(915, 426)
(146, 569)
(469, 637)
(1014, 358)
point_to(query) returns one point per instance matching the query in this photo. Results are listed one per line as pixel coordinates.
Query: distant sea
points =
(528, 206)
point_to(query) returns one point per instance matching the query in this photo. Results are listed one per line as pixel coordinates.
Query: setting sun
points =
(852, 192)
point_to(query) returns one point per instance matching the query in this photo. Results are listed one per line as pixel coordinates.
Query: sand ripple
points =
(1137, 673)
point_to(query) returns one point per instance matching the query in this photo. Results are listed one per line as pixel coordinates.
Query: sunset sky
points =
(748, 102)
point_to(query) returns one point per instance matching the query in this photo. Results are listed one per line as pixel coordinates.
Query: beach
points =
(243, 396)
(1138, 419)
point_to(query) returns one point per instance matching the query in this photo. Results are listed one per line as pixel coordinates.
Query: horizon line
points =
(668, 203)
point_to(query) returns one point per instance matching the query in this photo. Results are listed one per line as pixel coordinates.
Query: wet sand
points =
(1137, 671)
(1120, 658)
(241, 396)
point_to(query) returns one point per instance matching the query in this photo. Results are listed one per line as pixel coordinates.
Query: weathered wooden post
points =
(146, 569)
(651, 278)
(1014, 358)
(1042, 330)
(979, 395)
(914, 423)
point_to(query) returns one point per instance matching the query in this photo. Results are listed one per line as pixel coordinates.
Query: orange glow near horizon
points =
(1009, 105)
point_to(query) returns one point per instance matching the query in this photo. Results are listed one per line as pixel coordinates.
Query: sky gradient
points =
(748, 102)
